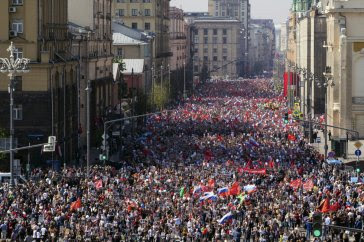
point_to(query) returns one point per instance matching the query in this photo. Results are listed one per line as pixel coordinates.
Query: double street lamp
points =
(13, 66)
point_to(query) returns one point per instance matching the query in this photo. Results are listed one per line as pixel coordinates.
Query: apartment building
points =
(240, 10)
(217, 46)
(46, 97)
(150, 16)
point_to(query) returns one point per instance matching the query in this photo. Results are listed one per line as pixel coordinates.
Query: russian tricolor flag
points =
(226, 218)
(209, 196)
(196, 189)
(223, 191)
(250, 188)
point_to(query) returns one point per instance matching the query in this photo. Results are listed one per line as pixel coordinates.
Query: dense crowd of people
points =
(221, 166)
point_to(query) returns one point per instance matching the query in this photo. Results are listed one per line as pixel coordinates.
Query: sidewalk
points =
(320, 147)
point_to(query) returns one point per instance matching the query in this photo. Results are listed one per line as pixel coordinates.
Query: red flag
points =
(296, 183)
(336, 206)
(76, 204)
(324, 206)
(291, 137)
(205, 188)
(208, 155)
(211, 183)
(308, 185)
(98, 184)
(234, 189)
(271, 164)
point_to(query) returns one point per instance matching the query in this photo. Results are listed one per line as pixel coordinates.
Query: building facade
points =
(345, 56)
(46, 97)
(240, 10)
(178, 38)
(91, 45)
(262, 48)
(217, 46)
(151, 17)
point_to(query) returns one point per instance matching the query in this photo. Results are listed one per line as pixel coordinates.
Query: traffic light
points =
(357, 170)
(317, 224)
(102, 157)
(286, 118)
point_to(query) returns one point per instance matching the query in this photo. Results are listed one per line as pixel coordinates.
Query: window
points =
(196, 40)
(224, 58)
(146, 1)
(147, 26)
(214, 50)
(215, 31)
(17, 26)
(134, 25)
(18, 53)
(120, 1)
(120, 12)
(119, 52)
(224, 40)
(216, 14)
(205, 50)
(223, 14)
(205, 40)
(147, 12)
(205, 31)
(205, 58)
(18, 112)
(215, 58)
(134, 12)
(133, 1)
(224, 31)
(17, 2)
(196, 68)
(214, 40)
(224, 50)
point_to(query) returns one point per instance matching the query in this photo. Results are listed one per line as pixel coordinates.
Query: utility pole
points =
(161, 95)
(184, 79)
(169, 82)
(88, 91)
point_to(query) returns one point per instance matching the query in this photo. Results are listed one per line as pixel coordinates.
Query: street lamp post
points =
(184, 79)
(169, 82)
(13, 66)
(326, 84)
(88, 91)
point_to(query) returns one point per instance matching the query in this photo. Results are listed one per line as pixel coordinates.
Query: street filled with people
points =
(223, 165)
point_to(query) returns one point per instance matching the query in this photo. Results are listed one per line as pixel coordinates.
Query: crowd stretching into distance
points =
(222, 166)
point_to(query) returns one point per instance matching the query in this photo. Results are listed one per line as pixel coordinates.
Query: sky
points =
(272, 9)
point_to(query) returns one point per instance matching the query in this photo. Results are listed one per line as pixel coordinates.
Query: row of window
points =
(214, 31)
(133, 1)
(215, 68)
(134, 12)
(135, 26)
(214, 40)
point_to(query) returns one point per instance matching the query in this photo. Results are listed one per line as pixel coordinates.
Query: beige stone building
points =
(46, 97)
(217, 46)
(345, 56)
(178, 38)
(151, 17)
(240, 10)
(91, 45)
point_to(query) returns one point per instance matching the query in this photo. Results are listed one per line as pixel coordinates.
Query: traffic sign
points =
(358, 144)
(318, 140)
(358, 153)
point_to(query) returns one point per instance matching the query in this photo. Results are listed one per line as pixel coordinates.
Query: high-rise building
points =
(240, 10)
(46, 97)
(149, 16)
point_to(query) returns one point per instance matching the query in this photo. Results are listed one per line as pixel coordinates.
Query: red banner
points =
(253, 171)
(308, 185)
(296, 183)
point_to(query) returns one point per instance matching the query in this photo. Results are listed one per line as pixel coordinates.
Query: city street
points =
(223, 165)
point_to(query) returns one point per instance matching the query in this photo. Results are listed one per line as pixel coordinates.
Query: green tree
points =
(160, 97)
(204, 75)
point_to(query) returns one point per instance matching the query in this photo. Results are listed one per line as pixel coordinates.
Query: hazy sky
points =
(274, 9)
